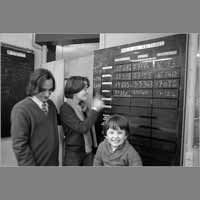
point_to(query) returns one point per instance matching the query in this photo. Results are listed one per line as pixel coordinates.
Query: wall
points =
(116, 39)
(23, 40)
(196, 139)
(189, 126)
(79, 60)
(82, 66)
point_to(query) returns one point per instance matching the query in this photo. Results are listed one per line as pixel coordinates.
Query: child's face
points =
(116, 137)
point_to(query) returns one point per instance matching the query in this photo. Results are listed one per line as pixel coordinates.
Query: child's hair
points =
(117, 121)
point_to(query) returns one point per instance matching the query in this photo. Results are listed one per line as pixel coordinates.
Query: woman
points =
(77, 125)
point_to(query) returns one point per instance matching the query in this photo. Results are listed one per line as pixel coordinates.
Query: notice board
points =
(16, 65)
(145, 81)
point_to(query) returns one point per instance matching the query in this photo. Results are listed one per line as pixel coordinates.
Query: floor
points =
(7, 155)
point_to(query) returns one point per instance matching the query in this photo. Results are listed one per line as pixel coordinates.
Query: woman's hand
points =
(97, 103)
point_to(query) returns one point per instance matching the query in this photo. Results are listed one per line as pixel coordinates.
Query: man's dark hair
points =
(37, 79)
(75, 84)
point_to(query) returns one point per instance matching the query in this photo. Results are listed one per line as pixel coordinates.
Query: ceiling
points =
(72, 46)
(65, 39)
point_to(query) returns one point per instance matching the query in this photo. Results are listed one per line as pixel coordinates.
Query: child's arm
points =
(134, 158)
(97, 158)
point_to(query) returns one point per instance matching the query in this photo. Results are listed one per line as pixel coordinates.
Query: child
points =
(115, 150)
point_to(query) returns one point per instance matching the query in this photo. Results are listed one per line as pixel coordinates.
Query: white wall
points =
(23, 40)
(79, 60)
(82, 66)
(116, 39)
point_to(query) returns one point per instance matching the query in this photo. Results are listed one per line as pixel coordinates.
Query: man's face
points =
(47, 87)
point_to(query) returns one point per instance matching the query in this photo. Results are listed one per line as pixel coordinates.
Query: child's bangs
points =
(117, 123)
(113, 125)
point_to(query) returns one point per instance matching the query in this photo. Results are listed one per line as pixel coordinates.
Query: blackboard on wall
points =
(16, 65)
(145, 81)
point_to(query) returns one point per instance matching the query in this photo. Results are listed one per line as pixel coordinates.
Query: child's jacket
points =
(124, 155)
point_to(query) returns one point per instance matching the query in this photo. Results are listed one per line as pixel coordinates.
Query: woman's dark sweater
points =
(74, 128)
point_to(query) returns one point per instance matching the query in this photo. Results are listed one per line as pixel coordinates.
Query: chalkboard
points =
(146, 81)
(16, 65)
(141, 93)
(122, 76)
(122, 68)
(165, 93)
(167, 83)
(122, 93)
(141, 66)
(142, 84)
(167, 74)
(142, 75)
(167, 64)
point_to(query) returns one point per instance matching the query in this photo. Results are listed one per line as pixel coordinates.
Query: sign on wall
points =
(16, 65)
(145, 81)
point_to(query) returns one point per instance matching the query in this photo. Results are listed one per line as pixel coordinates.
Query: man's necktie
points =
(44, 107)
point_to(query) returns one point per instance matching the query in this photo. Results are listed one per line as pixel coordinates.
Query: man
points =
(34, 123)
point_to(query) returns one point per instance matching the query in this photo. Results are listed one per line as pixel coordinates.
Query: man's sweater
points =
(34, 134)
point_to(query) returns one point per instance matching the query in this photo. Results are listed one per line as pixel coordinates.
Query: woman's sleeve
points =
(69, 118)
(98, 158)
(134, 158)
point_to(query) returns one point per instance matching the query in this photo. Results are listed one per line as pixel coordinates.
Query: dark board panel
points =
(139, 121)
(164, 146)
(142, 75)
(141, 112)
(141, 92)
(164, 134)
(142, 84)
(144, 102)
(141, 141)
(16, 66)
(146, 82)
(121, 109)
(140, 131)
(165, 103)
(138, 66)
(166, 83)
(175, 73)
(122, 68)
(165, 93)
(121, 101)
